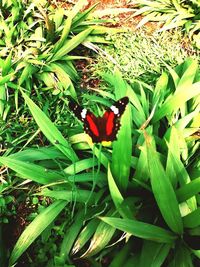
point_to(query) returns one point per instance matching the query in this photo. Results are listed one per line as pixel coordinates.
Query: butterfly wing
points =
(119, 107)
(88, 118)
(111, 119)
(101, 128)
(77, 110)
(92, 127)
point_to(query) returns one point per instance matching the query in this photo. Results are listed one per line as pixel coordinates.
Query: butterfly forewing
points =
(77, 110)
(119, 107)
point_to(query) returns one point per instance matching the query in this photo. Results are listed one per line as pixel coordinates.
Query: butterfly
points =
(101, 129)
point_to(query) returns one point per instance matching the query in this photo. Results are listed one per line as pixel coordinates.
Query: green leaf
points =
(101, 238)
(58, 17)
(7, 64)
(35, 228)
(80, 166)
(64, 35)
(33, 154)
(189, 190)
(175, 169)
(77, 195)
(182, 257)
(80, 17)
(26, 73)
(122, 148)
(163, 190)
(117, 197)
(63, 77)
(71, 44)
(2, 99)
(192, 219)
(153, 254)
(49, 129)
(176, 101)
(32, 171)
(6, 78)
(85, 235)
(189, 74)
(160, 89)
(141, 229)
(121, 257)
(71, 235)
(74, 13)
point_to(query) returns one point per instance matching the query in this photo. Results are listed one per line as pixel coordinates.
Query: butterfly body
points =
(103, 128)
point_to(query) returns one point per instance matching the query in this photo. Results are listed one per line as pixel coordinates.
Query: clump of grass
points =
(150, 192)
(183, 14)
(143, 56)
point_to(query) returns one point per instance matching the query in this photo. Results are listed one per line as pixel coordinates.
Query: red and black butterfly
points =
(103, 128)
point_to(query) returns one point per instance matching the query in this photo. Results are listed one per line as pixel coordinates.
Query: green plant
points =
(145, 185)
(173, 13)
(36, 44)
(143, 57)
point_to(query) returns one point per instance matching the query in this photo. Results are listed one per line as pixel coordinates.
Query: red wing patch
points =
(91, 124)
(101, 128)
(110, 117)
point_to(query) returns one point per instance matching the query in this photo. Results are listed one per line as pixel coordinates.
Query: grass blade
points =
(49, 129)
(117, 197)
(31, 171)
(122, 148)
(85, 235)
(192, 219)
(121, 258)
(71, 234)
(69, 195)
(141, 229)
(176, 101)
(163, 190)
(101, 238)
(35, 228)
(153, 254)
(189, 190)
(71, 44)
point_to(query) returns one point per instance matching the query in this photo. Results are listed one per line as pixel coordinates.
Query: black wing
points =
(76, 109)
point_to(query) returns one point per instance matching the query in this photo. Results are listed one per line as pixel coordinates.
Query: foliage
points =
(133, 203)
(144, 56)
(173, 13)
(36, 41)
(153, 207)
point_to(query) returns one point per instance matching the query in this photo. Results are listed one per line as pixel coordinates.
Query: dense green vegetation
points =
(65, 201)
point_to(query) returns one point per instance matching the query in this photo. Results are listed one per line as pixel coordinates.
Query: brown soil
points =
(124, 18)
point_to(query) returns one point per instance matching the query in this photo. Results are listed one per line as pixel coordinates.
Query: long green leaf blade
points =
(141, 229)
(176, 101)
(71, 44)
(35, 228)
(163, 190)
(31, 171)
(49, 129)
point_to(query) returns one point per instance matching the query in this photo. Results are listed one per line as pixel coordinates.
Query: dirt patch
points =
(121, 12)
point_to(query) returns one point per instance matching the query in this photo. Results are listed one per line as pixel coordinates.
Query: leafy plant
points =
(36, 41)
(143, 189)
(143, 57)
(173, 13)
